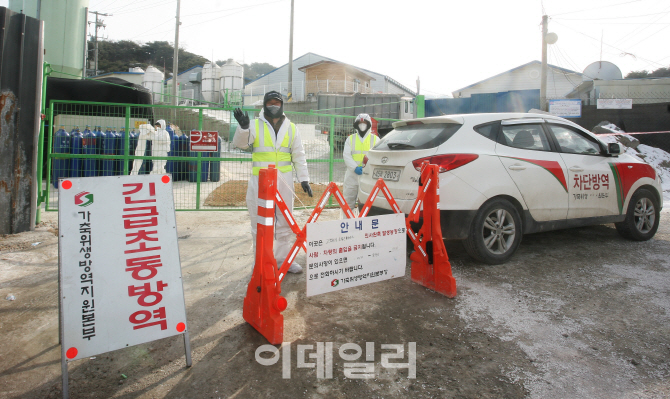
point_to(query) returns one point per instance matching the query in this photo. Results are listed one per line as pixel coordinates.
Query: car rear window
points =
(418, 137)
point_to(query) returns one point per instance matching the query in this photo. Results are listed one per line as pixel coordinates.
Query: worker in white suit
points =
(356, 147)
(274, 140)
(160, 145)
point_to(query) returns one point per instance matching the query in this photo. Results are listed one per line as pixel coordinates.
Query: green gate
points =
(201, 181)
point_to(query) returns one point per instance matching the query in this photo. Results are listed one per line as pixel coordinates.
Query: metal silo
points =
(64, 32)
(232, 76)
(210, 82)
(153, 81)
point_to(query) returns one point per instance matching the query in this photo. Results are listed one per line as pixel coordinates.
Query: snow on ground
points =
(655, 157)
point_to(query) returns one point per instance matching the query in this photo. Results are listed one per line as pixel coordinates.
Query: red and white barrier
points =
(263, 303)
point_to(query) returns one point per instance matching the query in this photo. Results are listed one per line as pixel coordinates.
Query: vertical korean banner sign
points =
(120, 275)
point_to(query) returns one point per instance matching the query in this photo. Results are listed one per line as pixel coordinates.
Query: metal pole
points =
(95, 67)
(290, 59)
(175, 59)
(83, 70)
(543, 81)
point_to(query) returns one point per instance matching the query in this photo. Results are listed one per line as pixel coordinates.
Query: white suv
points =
(504, 175)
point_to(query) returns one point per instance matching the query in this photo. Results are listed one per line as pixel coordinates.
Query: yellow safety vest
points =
(360, 148)
(265, 154)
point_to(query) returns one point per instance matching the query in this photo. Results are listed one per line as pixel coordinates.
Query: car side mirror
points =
(614, 149)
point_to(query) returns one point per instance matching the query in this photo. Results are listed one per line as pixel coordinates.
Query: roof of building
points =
(347, 66)
(117, 73)
(183, 72)
(395, 82)
(519, 67)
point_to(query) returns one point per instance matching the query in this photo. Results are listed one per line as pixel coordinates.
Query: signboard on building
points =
(615, 103)
(348, 253)
(204, 141)
(566, 108)
(119, 268)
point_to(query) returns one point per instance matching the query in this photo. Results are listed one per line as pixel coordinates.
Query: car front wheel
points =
(495, 233)
(642, 217)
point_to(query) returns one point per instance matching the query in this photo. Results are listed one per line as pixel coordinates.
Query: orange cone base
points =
(269, 323)
(436, 277)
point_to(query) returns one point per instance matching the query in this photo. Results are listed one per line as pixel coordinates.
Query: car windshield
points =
(418, 137)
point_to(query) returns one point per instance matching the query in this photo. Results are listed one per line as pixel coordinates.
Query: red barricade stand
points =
(263, 303)
(430, 263)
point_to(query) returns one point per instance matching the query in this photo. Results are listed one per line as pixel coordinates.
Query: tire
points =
(642, 217)
(487, 242)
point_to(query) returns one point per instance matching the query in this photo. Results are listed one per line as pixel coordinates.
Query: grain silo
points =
(64, 32)
(153, 81)
(210, 82)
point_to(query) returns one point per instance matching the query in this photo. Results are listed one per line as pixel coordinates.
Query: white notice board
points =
(566, 108)
(614, 103)
(351, 252)
(120, 275)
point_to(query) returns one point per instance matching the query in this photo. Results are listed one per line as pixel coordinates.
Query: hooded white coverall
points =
(243, 139)
(160, 145)
(350, 188)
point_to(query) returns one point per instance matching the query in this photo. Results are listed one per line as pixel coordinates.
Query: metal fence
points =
(85, 139)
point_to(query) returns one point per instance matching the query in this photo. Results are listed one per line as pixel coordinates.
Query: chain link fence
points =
(86, 139)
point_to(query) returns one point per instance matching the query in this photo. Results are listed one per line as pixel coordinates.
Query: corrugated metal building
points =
(560, 81)
(278, 80)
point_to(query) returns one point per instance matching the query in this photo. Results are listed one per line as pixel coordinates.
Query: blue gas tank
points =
(193, 167)
(107, 146)
(181, 143)
(215, 166)
(119, 150)
(90, 147)
(76, 148)
(133, 145)
(61, 167)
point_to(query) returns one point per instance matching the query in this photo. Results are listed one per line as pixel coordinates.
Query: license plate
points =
(386, 174)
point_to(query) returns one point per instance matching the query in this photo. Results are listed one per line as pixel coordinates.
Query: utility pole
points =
(175, 60)
(543, 77)
(98, 24)
(290, 59)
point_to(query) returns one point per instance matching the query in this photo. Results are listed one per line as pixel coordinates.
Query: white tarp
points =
(120, 275)
(348, 253)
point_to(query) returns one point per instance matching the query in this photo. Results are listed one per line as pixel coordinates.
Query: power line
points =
(599, 19)
(233, 9)
(596, 8)
(607, 44)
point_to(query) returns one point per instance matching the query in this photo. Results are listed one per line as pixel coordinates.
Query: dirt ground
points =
(578, 313)
(234, 193)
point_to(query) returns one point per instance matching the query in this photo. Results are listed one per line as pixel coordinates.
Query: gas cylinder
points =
(107, 147)
(119, 149)
(89, 147)
(76, 148)
(133, 145)
(215, 166)
(61, 167)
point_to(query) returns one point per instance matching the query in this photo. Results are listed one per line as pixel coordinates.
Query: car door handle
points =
(576, 169)
(517, 167)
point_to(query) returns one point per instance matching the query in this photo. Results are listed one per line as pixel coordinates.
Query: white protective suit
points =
(243, 139)
(350, 188)
(160, 145)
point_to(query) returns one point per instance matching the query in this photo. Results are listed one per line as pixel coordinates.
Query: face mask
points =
(362, 126)
(274, 109)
